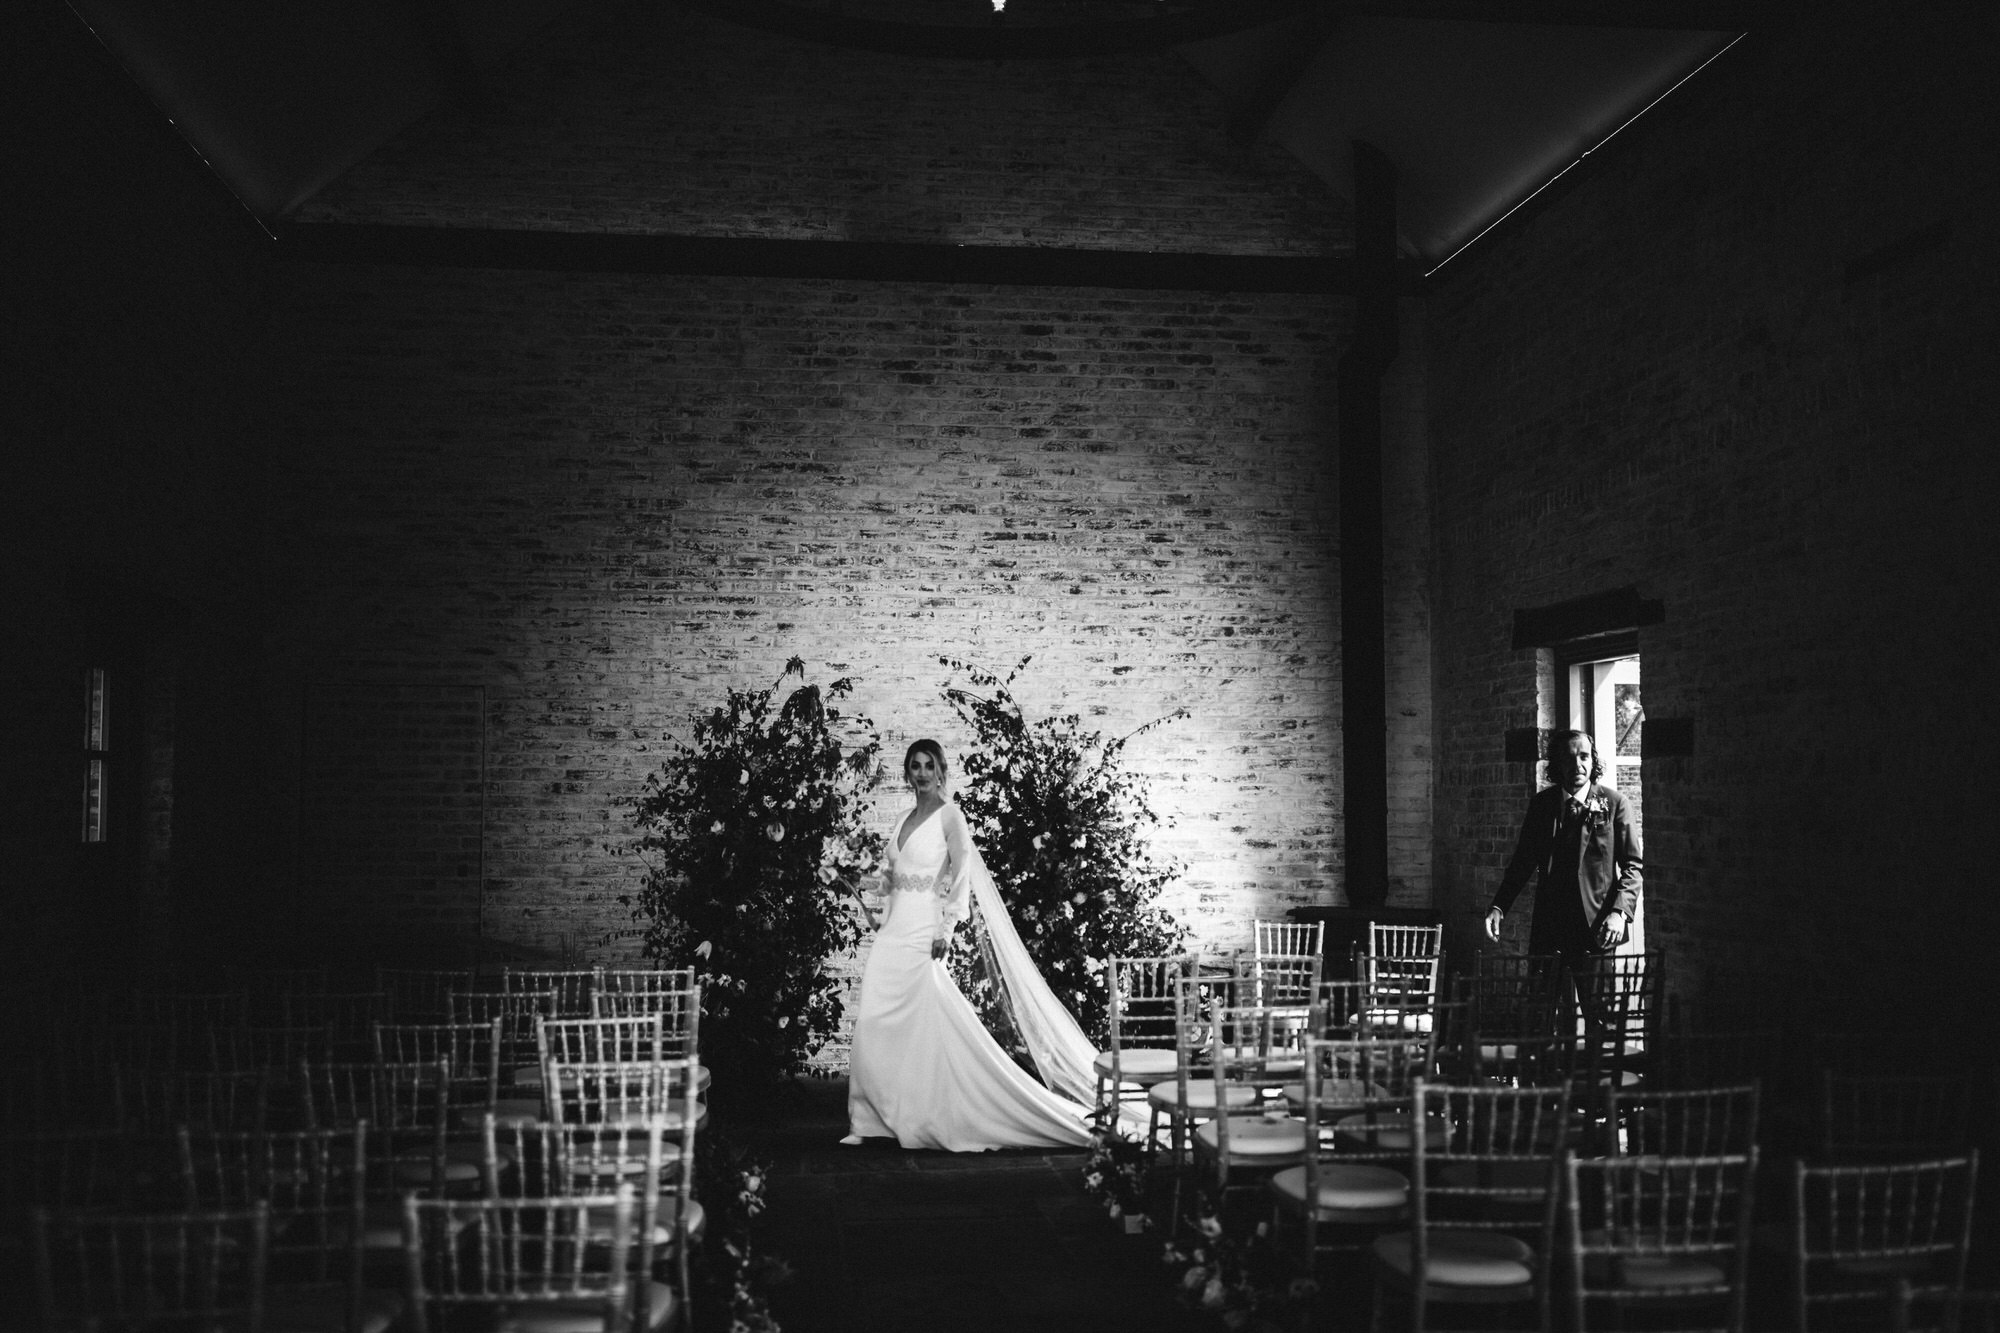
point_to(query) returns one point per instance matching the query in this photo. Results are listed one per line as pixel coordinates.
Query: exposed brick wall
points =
(605, 500)
(1662, 378)
(658, 119)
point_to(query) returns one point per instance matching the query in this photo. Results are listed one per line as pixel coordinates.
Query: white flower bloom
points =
(703, 949)
(743, 778)
(716, 827)
(1078, 900)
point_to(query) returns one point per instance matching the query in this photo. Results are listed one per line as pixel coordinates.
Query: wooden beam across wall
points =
(856, 261)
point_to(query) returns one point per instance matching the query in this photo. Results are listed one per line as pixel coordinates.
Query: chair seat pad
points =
(1142, 1063)
(526, 1076)
(323, 1309)
(1390, 1131)
(1256, 1137)
(1201, 1094)
(1482, 1259)
(1349, 1192)
(584, 1316)
(1400, 1020)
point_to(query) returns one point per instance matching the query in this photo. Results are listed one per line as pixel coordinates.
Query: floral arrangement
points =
(1115, 1171)
(751, 833)
(1062, 826)
(1245, 1283)
(731, 1278)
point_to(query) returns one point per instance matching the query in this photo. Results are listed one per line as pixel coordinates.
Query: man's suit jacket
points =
(1608, 859)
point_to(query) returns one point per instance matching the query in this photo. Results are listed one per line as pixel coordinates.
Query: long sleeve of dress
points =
(954, 889)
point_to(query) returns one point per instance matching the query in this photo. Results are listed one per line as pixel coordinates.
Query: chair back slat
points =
(1682, 1122)
(148, 1270)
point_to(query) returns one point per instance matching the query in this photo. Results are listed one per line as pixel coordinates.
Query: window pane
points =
(93, 801)
(1631, 722)
(93, 711)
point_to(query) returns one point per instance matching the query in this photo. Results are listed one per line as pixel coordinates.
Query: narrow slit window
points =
(96, 755)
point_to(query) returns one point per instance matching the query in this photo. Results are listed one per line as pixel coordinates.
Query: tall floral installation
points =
(750, 832)
(1063, 826)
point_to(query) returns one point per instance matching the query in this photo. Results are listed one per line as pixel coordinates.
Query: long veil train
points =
(1062, 1054)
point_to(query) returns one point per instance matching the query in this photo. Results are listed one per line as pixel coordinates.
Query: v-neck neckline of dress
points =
(910, 830)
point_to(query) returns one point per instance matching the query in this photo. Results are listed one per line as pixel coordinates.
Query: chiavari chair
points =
(97, 1271)
(520, 1052)
(1262, 1048)
(472, 1051)
(1893, 1117)
(1288, 937)
(1670, 1233)
(1680, 1122)
(1144, 1000)
(1482, 1205)
(315, 1183)
(1351, 1193)
(1855, 1235)
(544, 1262)
(572, 987)
(677, 1007)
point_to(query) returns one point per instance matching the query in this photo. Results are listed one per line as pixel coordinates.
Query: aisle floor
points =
(887, 1240)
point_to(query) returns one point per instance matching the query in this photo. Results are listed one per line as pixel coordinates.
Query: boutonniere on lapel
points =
(1595, 811)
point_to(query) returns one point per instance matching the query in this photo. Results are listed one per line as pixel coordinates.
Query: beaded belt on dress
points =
(903, 881)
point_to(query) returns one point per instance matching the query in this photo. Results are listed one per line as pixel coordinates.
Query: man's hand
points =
(940, 946)
(1611, 930)
(1494, 916)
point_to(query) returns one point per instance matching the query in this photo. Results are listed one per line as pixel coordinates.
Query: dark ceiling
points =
(1477, 114)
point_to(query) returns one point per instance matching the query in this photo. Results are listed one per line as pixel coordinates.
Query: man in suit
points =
(1577, 839)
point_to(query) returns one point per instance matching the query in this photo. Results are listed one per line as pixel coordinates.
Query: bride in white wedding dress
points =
(923, 1069)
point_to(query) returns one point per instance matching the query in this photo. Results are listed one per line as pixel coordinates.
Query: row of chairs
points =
(584, 1091)
(1235, 1075)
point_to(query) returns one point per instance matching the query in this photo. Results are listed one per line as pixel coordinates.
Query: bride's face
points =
(923, 775)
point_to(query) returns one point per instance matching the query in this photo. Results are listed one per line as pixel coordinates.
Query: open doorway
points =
(1601, 697)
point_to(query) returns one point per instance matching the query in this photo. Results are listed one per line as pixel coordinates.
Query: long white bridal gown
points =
(923, 1068)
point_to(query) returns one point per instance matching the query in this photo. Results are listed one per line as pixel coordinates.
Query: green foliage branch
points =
(751, 833)
(1064, 828)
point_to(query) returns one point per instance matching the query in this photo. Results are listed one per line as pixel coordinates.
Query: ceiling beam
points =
(1002, 40)
(851, 261)
(1249, 117)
